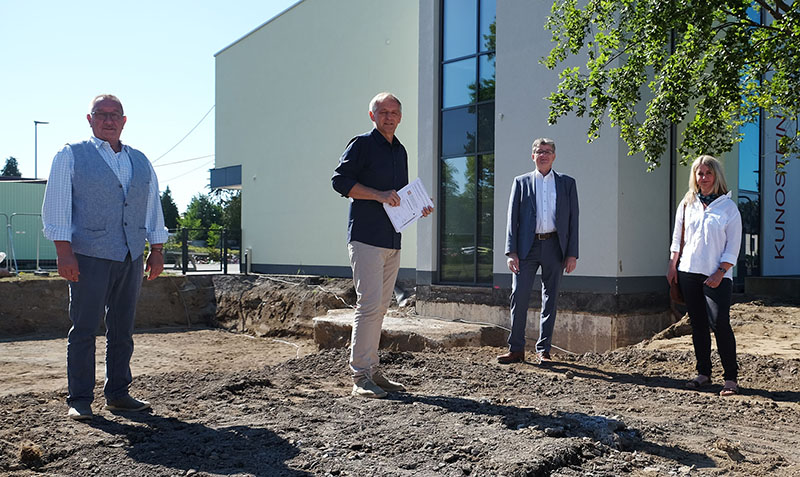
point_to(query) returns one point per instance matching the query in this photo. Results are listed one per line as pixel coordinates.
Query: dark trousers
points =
(709, 309)
(105, 289)
(546, 254)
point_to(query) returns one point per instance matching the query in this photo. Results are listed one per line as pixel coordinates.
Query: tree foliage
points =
(11, 169)
(171, 214)
(232, 211)
(709, 64)
(201, 213)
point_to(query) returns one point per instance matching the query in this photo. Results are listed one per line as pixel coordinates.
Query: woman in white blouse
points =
(709, 222)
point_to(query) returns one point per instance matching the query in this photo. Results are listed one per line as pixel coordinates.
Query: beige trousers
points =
(374, 274)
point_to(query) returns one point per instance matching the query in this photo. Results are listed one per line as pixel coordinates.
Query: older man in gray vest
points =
(100, 205)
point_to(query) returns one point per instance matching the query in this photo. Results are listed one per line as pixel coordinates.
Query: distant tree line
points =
(11, 169)
(205, 216)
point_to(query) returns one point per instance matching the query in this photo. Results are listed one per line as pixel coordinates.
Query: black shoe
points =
(511, 357)
(127, 403)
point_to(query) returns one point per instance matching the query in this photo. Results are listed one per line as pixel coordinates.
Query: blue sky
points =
(157, 57)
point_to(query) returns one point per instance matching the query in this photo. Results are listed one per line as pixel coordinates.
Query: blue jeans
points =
(546, 254)
(105, 289)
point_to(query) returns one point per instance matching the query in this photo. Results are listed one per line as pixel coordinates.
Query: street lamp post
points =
(36, 147)
(36, 124)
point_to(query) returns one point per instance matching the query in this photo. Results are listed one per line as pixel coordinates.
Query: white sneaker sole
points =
(392, 389)
(80, 417)
(368, 394)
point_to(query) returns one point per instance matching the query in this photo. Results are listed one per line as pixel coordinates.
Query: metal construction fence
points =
(24, 243)
(26, 248)
(188, 249)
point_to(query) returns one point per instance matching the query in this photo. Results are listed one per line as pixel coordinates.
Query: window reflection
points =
(460, 22)
(458, 83)
(749, 193)
(467, 128)
(486, 127)
(486, 78)
(458, 131)
(485, 217)
(458, 218)
(487, 32)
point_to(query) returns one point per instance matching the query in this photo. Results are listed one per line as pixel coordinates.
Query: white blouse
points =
(712, 236)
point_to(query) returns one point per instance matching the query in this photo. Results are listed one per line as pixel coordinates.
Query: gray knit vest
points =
(105, 222)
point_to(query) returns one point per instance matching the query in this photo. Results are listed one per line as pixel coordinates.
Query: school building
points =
(291, 94)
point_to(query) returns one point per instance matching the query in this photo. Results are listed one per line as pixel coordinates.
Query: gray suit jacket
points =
(521, 227)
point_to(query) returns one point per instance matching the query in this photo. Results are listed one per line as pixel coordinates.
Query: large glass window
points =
(458, 80)
(749, 204)
(466, 188)
(750, 192)
(460, 18)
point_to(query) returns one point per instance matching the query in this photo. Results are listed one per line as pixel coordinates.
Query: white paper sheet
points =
(413, 198)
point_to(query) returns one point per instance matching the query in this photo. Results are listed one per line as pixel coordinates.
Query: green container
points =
(21, 208)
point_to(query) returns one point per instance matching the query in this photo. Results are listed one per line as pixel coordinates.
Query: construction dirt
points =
(228, 403)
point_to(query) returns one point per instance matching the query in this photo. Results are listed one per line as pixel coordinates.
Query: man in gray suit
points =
(542, 232)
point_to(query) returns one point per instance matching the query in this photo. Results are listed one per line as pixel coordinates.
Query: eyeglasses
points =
(101, 116)
(543, 152)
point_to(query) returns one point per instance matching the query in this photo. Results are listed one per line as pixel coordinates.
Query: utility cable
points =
(187, 172)
(187, 135)
(185, 160)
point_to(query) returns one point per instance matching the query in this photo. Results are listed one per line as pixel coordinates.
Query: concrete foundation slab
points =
(787, 288)
(574, 332)
(414, 333)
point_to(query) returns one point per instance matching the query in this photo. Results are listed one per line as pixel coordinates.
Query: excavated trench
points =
(257, 304)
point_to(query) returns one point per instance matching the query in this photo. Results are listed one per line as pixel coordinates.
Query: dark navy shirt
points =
(371, 161)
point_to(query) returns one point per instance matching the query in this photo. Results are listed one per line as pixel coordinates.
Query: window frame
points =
(475, 107)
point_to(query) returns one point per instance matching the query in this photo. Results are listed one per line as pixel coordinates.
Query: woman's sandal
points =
(729, 389)
(698, 382)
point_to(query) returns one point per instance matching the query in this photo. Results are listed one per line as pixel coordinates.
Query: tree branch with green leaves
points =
(709, 65)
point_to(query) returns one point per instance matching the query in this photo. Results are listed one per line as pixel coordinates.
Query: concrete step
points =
(407, 333)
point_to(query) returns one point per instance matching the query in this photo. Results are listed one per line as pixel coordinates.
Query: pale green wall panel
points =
(17, 199)
(289, 96)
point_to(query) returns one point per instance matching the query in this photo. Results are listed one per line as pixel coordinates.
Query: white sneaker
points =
(365, 387)
(385, 383)
(80, 411)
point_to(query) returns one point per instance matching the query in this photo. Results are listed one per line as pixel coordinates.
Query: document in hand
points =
(413, 198)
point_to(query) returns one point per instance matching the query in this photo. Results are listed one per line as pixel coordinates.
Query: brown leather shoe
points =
(511, 357)
(544, 357)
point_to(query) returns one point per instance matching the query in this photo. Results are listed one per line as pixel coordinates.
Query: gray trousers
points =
(105, 289)
(547, 255)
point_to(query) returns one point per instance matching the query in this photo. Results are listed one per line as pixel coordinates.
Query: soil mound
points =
(242, 405)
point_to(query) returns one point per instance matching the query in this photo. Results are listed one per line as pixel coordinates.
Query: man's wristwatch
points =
(722, 270)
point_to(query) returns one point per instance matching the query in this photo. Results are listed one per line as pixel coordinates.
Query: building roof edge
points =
(260, 26)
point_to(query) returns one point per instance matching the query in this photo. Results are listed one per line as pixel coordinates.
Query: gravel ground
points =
(257, 407)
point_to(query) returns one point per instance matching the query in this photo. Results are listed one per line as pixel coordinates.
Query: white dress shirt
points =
(57, 207)
(545, 189)
(712, 235)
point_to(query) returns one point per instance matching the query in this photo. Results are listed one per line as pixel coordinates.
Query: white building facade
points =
(289, 97)
(293, 92)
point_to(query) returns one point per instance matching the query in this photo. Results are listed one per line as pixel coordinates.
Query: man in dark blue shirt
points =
(373, 167)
